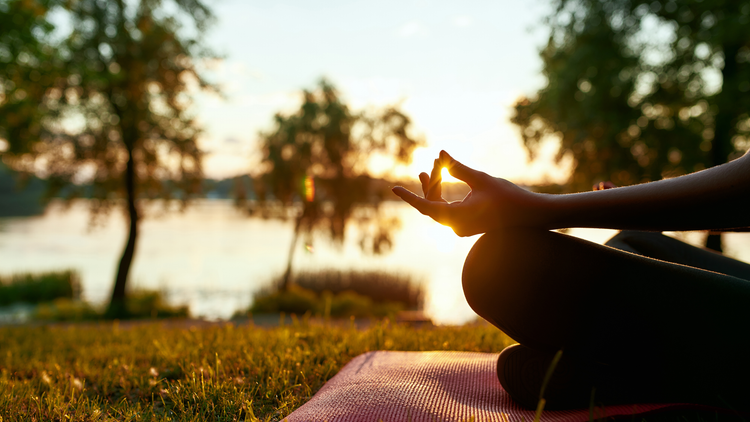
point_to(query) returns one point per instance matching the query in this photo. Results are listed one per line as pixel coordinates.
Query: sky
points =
(455, 68)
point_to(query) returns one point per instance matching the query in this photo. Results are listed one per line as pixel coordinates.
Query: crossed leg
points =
(638, 328)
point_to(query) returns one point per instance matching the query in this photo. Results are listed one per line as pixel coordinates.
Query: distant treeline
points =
(21, 196)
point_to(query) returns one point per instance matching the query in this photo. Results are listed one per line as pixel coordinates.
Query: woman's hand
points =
(604, 186)
(492, 204)
(715, 198)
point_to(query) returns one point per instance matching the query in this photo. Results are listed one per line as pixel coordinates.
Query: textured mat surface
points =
(428, 386)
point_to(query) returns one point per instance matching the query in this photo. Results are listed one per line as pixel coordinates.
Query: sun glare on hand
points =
(447, 176)
(423, 160)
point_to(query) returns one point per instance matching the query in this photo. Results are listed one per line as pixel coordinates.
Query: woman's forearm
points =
(715, 198)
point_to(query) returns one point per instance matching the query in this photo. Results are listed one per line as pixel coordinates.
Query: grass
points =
(158, 372)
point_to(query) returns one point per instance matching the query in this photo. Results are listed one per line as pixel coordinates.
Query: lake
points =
(213, 257)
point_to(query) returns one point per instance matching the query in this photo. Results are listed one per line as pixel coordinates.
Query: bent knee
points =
(512, 278)
(497, 273)
(488, 269)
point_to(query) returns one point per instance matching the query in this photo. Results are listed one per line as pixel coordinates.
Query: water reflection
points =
(213, 257)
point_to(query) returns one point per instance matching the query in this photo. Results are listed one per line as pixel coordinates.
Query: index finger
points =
(438, 211)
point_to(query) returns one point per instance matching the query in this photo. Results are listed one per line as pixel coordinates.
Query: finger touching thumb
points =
(458, 170)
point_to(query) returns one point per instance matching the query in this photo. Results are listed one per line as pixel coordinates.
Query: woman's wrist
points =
(551, 211)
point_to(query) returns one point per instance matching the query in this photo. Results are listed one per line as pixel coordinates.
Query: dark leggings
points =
(652, 318)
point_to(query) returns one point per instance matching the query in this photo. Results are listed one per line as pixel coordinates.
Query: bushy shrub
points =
(140, 304)
(151, 304)
(295, 300)
(39, 287)
(349, 303)
(379, 286)
(387, 309)
(64, 309)
(342, 294)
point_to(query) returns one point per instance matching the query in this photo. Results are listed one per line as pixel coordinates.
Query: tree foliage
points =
(110, 104)
(28, 66)
(315, 167)
(640, 90)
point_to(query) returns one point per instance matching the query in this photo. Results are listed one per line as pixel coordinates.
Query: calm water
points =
(214, 258)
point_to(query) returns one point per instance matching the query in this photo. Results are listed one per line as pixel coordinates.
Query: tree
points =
(640, 90)
(315, 167)
(117, 116)
(28, 65)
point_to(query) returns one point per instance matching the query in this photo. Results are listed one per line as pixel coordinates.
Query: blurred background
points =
(228, 158)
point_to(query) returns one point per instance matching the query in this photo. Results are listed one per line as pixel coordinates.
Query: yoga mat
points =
(430, 387)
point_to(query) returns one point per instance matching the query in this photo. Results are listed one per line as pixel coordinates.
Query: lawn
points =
(166, 372)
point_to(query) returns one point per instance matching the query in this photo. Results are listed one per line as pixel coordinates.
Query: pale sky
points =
(454, 67)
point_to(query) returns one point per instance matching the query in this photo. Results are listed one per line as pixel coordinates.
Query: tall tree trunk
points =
(721, 146)
(285, 281)
(117, 308)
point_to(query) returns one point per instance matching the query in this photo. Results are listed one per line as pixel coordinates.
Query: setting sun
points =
(423, 160)
(447, 176)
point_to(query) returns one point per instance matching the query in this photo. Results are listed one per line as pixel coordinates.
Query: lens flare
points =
(309, 189)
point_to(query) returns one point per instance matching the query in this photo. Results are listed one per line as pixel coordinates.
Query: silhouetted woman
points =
(645, 318)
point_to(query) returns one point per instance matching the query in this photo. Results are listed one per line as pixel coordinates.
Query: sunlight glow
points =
(447, 176)
(309, 189)
(441, 300)
(423, 160)
(464, 110)
(441, 237)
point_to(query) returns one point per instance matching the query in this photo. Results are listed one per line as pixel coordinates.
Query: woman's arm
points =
(716, 198)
